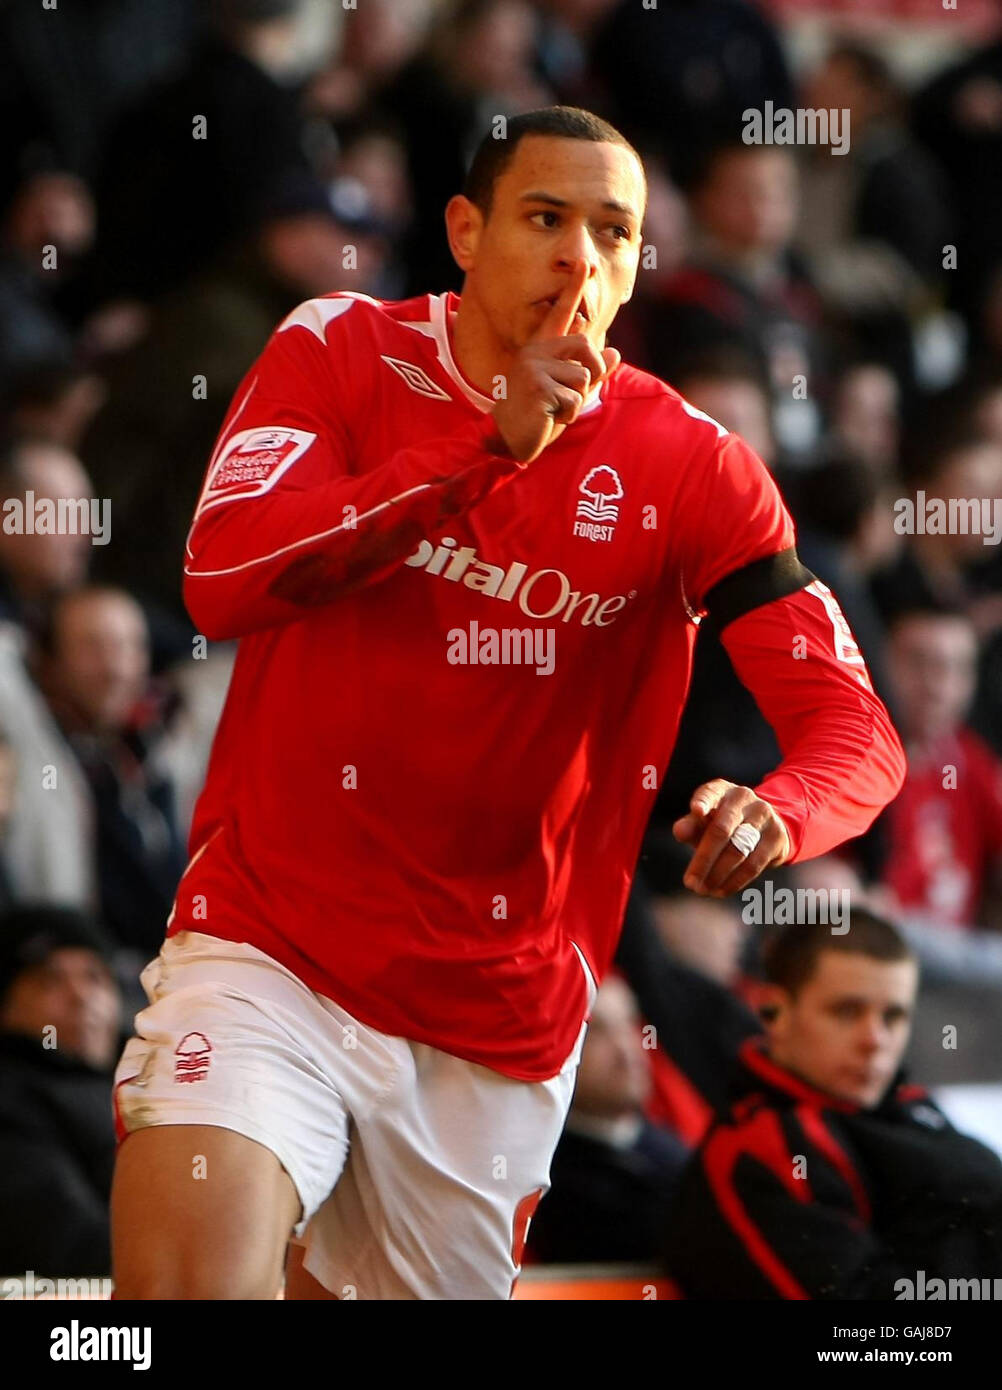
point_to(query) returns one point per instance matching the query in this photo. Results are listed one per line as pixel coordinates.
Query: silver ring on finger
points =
(745, 839)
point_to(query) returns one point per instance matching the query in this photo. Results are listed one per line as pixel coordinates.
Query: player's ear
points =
(773, 1008)
(463, 224)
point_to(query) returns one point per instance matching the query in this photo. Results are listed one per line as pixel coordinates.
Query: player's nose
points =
(577, 245)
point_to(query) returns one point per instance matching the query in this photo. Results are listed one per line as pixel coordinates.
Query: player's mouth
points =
(550, 300)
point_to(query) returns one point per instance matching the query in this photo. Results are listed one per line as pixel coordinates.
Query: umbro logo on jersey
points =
(416, 379)
(597, 513)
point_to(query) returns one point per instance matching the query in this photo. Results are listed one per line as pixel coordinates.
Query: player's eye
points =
(620, 232)
(547, 213)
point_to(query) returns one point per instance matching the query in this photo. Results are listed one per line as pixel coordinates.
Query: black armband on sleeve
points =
(777, 576)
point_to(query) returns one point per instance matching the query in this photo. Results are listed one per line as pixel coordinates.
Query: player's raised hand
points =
(551, 376)
(736, 836)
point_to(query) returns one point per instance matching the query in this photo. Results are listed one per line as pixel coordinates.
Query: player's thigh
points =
(228, 1096)
(441, 1183)
(198, 1211)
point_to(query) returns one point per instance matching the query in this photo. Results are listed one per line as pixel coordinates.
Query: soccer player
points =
(465, 549)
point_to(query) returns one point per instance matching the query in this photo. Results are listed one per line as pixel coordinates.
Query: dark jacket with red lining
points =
(885, 1192)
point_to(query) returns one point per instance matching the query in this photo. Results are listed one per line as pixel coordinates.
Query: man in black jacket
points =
(613, 1172)
(830, 1177)
(59, 1036)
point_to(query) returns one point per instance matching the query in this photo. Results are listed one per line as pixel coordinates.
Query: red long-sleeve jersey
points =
(460, 677)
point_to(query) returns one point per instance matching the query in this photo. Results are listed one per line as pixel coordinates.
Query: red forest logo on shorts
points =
(192, 1054)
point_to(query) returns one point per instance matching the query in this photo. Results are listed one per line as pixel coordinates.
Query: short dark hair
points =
(869, 66)
(723, 362)
(30, 932)
(926, 606)
(836, 493)
(696, 166)
(493, 156)
(47, 631)
(790, 957)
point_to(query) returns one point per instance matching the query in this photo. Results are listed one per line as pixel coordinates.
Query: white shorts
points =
(418, 1172)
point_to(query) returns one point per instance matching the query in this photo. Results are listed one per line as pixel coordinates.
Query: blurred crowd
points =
(175, 177)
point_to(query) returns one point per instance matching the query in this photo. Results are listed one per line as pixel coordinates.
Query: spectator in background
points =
(567, 31)
(947, 564)
(94, 668)
(831, 1178)
(743, 285)
(148, 447)
(49, 849)
(945, 826)
(53, 403)
(702, 934)
(958, 117)
(60, 1027)
(666, 242)
(478, 63)
(64, 76)
(698, 1017)
(728, 385)
(35, 564)
(191, 195)
(373, 161)
(866, 416)
(613, 1171)
(954, 450)
(681, 72)
(985, 404)
(874, 221)
(44, 234)
(379, 38)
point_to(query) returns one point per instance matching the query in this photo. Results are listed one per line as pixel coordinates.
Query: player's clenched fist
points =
(551, 376)
(736, 836)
